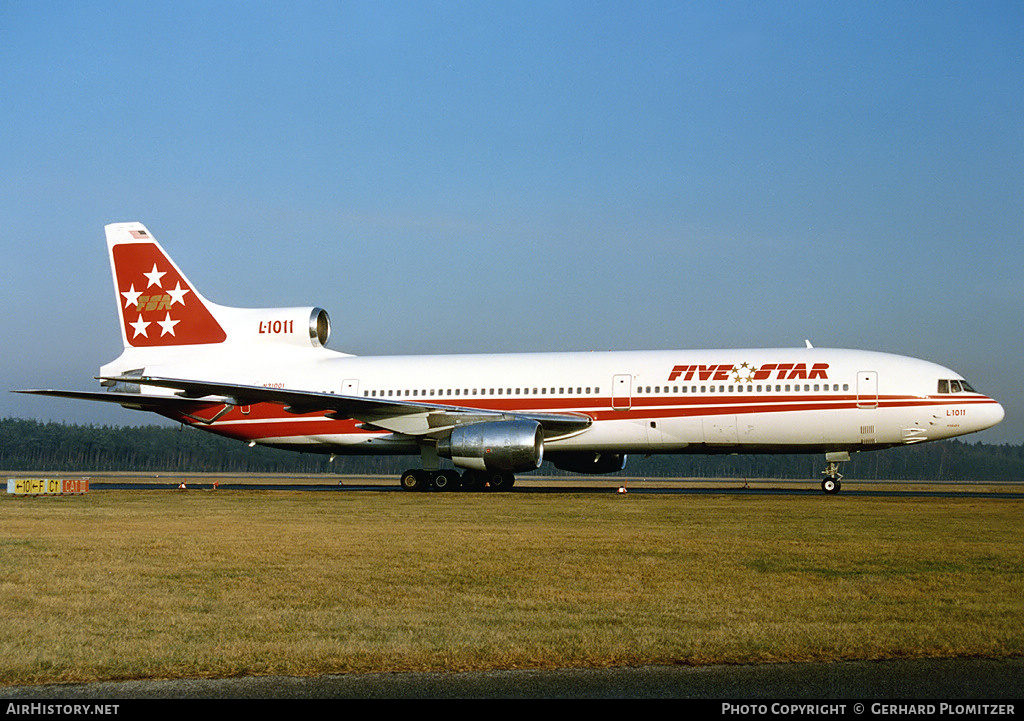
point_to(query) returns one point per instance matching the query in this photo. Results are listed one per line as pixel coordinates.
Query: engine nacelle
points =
(512, 446)
(304, 327)
(589, 462)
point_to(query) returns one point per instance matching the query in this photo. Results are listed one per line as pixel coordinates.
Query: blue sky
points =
(478, 176)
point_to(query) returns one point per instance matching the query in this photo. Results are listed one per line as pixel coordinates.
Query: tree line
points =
(30, 445)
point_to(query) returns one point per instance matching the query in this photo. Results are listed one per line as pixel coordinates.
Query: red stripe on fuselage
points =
(267, 420)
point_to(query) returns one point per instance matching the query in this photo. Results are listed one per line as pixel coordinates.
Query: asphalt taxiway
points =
(856, 681)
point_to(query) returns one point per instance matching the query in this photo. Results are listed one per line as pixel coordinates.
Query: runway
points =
(737, 487)
(855, 681)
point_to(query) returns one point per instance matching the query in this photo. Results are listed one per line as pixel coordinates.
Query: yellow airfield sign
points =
(47, 486)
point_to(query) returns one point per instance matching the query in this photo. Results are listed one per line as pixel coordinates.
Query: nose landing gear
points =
(833, 479)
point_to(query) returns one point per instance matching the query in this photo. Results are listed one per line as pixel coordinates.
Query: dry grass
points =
(148, 584)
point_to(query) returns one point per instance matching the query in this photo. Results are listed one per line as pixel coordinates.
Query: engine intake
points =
(512, 446)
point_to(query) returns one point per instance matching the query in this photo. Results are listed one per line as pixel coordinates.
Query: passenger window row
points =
(778, 388)
(477, 392)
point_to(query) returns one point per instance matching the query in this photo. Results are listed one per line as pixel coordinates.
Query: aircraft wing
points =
(141, 402)
(412, 418)
(133, 400)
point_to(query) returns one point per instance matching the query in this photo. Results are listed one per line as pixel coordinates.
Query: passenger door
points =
(867, 389)
(622, 392)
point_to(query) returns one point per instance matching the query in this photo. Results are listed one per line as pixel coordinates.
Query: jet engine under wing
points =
(398, 416)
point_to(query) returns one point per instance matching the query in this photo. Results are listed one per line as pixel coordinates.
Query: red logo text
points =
(746, 373)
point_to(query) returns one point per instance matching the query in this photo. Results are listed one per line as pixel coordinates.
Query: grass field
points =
(163, 583)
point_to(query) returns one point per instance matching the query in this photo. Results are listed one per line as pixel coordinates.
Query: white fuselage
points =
(676, 401)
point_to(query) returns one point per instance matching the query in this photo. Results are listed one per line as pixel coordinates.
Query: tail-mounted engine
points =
(304, 327)
(512, 446)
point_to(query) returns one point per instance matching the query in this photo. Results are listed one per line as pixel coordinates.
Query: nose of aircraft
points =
(990, 414)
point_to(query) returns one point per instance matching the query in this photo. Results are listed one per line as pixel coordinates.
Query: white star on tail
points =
(140, 327)
(167, 325)
(178, 294)
(154, 277)
(131, 296)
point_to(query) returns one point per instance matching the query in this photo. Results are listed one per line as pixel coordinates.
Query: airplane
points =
(265, 376)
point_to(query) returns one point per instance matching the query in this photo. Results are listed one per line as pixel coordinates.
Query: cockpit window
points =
(955, 386)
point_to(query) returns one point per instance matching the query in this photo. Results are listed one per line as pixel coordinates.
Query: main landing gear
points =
(833, 480)
(418, 479)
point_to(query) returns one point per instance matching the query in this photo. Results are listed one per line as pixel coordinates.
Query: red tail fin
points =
(157, 304)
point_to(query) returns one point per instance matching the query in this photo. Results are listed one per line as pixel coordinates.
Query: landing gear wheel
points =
(446, 480)
(473, 480)
(500, 481)
(414, 480)
(831, 484)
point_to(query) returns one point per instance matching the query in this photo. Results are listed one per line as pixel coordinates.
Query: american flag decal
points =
(138, 234)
